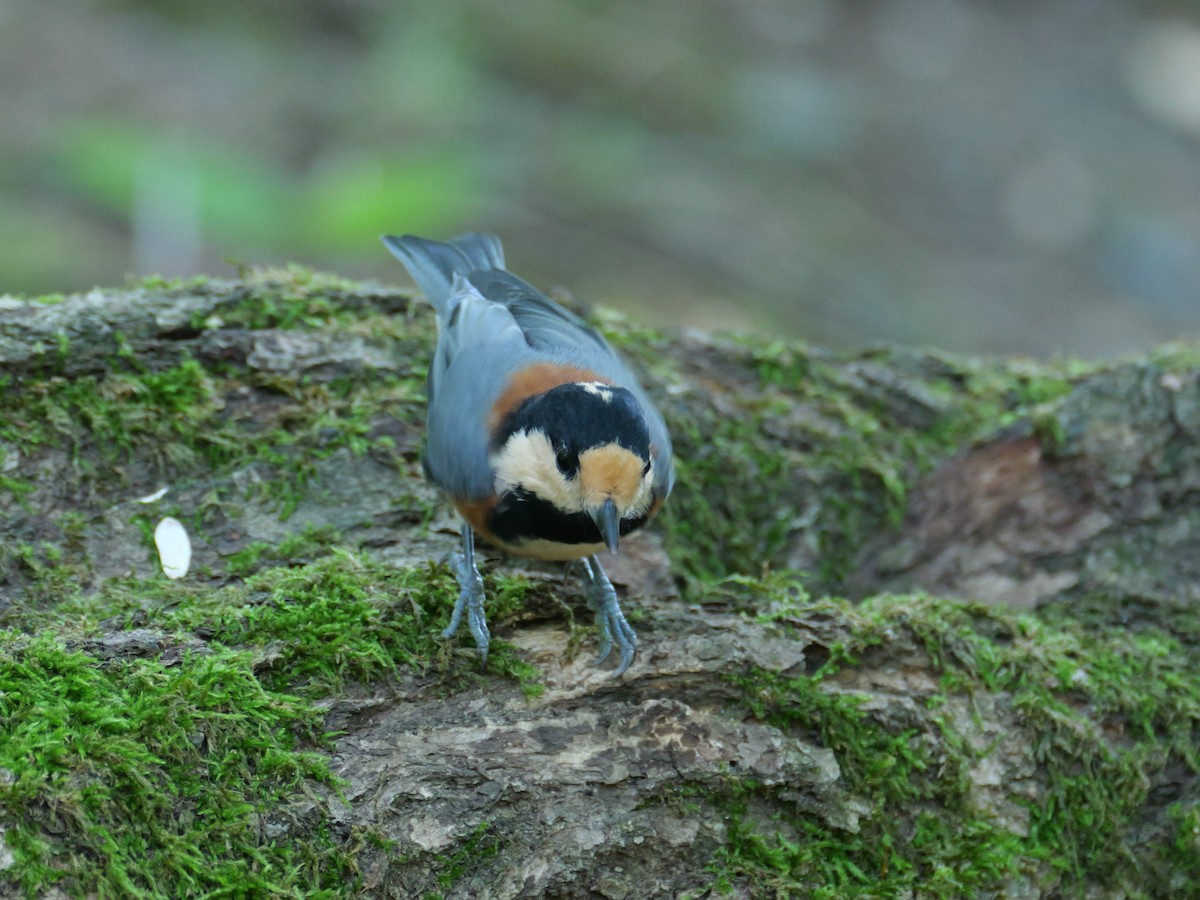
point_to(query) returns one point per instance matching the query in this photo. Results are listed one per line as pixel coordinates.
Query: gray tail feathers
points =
(433, 264)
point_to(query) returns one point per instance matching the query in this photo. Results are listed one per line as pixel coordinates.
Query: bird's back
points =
(492, 324)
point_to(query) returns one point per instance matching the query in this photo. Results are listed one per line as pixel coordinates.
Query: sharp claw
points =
(625, 663)
(478, 623)
(605, 649)
(626, 640)
(598, 603)
(612, 625)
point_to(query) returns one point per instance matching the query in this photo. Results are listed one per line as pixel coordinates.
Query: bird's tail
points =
(433, 264)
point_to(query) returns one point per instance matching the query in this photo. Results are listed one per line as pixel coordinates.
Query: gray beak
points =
(609, 523)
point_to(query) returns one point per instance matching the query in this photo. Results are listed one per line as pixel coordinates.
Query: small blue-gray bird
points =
(537, 431)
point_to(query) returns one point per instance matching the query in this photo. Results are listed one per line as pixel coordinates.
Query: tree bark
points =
(1008, 708)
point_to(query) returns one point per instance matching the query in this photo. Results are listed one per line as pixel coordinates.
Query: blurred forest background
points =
(983, 176)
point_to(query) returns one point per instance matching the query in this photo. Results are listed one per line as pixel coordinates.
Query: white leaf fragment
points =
(157, 495)
(174, 547)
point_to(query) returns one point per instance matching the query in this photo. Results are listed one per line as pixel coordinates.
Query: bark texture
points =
(917, 743)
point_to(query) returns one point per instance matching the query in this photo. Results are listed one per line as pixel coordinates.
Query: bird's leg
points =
(470, 596)
(610, 621)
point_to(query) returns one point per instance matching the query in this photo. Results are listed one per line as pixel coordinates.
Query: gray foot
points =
(610, 621)
(470, 598)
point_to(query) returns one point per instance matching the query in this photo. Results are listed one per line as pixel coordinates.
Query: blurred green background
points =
(998, 176)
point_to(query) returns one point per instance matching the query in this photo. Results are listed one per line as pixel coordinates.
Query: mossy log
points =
(1006, 702)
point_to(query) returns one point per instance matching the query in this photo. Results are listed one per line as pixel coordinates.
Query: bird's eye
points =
(564, 460)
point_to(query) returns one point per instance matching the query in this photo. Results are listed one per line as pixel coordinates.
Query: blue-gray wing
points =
(547, 326)
(476, 336)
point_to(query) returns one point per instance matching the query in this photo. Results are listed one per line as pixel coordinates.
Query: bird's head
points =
(582, 447)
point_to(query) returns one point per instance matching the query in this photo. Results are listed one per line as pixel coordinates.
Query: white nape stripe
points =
(598, 389)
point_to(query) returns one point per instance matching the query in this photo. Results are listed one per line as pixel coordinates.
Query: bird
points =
(537, 431)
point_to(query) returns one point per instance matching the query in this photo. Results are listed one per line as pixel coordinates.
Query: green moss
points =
(1177, 862)
(311, 542)
(800, 446)
(163, 283)
(341, 618)
(135, 778)
(324, 617)
(173, 416)
(508, 596)
(477, 847)
(152, 777)
(40, 570)
(320, 419)
(942, 849)
(1177, 356)
(295, 279)
(1073, 691)
(695, 520)
(18, 487)
(180, 421)
(937, 858)
(287, 310)
(44, 574)
(290, 297)
(170, 415)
